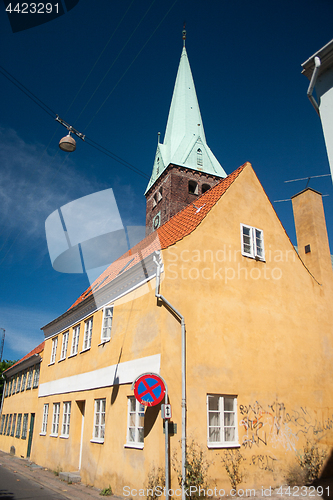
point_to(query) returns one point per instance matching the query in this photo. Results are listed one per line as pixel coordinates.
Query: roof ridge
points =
(175, 229)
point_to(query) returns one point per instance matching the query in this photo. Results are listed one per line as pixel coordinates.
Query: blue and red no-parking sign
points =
(149, 389)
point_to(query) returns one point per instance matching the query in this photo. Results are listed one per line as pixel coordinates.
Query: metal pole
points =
(166, 427)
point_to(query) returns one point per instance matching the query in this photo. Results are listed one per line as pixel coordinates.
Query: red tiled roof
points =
(37, 350)
(175, 229)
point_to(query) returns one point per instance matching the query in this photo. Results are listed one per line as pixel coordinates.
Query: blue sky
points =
(245, 59)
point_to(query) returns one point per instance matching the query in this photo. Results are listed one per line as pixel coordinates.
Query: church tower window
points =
(193, 187)
(199, 158)
(205, 187)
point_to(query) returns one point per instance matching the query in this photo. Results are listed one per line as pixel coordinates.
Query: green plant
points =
(232, 462)
(196, 471)
(156, 482)
(57, 471)
(106, 492)
(311, 461)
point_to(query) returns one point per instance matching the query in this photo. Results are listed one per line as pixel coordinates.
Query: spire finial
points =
(184, 34)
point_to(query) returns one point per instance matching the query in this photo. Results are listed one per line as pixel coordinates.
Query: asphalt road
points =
(15, 487)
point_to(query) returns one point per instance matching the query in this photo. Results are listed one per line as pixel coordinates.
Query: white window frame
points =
(24, 379)
(88, 326)
(66, 417)
(2, 425)
(137, 442)
(7, 388)
(18, 383)
(54, 350)
(64, 346)
(255, 251)
(107, 328)
(18, 425)
(25, 426)
(29, 381)
(222, 443)
(99, 421)
(12, 432)
(9, 424)
(75, 340)
(55, 420)
(36, 376)
(45, 419)
(14, 385)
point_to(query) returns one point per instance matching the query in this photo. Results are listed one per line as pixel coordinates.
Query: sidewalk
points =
(47, 478)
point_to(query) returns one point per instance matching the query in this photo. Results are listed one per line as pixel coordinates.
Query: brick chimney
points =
(311, 232)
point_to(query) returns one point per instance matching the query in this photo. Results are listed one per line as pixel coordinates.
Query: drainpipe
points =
(313, 83)
(183, 365)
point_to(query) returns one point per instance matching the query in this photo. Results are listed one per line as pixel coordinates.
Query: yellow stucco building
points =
(258, 323)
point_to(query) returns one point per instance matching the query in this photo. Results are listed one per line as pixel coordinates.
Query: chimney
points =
(311, 232)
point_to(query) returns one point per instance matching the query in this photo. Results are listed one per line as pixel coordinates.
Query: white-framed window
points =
(2, 424)
(45, 418)
(5, 428)
(24, 378)
(18, 426)
(29, 381)
(252, 241)
(221, 421)
(13, 425)
(7, 388)
(36, 377)
(75, 340)
(55, 419)
(135, 423)
(14, 385)
(87, 334)
(9, 424)
(18, 385)
(66, 416)
(99, 420)
(54, 350)
(107, 323)
(25, 426)
(64, 346)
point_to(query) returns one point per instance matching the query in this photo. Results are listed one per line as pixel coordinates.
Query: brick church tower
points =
(184, 166)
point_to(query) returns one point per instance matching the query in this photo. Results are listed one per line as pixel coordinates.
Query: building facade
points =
(258, 321)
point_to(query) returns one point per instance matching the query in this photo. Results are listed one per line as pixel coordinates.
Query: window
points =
(2, 424)
(66, 416)
(64, 345)
(25, 426)
(107, 323)
(24, 378)
(87, 334)
(36, 376)
(155, 200)
(222, 421)
(135, 419)
(14, 385)
(55, 419)
(99, 420)
(54, 350)
(252, 242)
(7, 387)
(204, 188)
(5, 429)
(13, 425)
(9, 424)
(45, 418)
(29, 381)
(199, 158)
(10, 387)
(192, 187)
(18, 427)
(75, 340)
(18, 385)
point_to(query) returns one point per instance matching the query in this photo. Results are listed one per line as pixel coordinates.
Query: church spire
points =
(184, 141)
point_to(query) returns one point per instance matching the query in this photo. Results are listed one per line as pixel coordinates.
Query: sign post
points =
(149, 390)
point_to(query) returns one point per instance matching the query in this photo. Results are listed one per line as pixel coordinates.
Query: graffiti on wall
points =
(274, 426)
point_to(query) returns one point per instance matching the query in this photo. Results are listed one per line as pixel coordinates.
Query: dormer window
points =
(205, 187)
(193, 187)
(199, 158)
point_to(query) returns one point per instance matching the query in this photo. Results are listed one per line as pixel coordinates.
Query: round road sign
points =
(149, 389)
